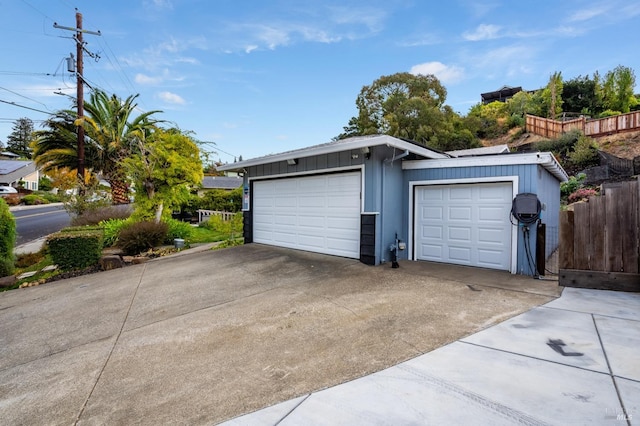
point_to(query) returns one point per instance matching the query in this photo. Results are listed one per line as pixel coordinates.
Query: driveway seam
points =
(292, 410)
(613, 378)
(588, 313)
(115, 343)
(532, 357)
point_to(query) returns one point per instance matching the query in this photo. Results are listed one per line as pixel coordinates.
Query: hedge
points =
(75, 249)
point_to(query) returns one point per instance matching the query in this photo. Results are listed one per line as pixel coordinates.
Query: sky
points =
(251, 78)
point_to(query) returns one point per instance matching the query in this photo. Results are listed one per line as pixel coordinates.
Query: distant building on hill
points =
(501, 95)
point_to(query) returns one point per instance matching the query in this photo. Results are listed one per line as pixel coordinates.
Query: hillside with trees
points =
(414, 107)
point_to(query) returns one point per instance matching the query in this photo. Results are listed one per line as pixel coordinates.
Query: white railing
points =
(204, 215)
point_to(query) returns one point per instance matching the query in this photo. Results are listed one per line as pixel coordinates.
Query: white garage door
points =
(466, 224)
(319, 213)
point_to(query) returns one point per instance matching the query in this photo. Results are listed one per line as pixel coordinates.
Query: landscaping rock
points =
(110, 262)
(27, 275)
(139, 259)
(127, 259)
(8, 281)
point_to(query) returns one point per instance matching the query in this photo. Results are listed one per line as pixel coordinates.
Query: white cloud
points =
(587, 14)
(482, 32)
(171, 98)
(445, 73)
(422, 40)
(317, 25)
(145, 79)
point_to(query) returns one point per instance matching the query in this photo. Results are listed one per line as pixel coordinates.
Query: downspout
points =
(382, 216)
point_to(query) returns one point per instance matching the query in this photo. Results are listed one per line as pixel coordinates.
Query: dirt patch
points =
(623, 145)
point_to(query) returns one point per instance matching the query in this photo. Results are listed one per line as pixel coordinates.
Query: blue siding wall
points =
(529, 181)
(549, 195)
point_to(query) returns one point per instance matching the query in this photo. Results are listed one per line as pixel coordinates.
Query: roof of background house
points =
(501, 94)
(8, 154)
(485, 150)
(14, 170)
(358, 142)
(221, 182)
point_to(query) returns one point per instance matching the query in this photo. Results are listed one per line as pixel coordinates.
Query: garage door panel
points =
(460, 194)
(460, 255)
(319, 213)
(493, 214)
(466, 224)
(432, 232)
(459, 213)
(429, 212)
(460, 234)
(431, 252)
(490, 236)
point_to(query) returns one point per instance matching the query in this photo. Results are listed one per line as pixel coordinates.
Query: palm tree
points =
(111, 132)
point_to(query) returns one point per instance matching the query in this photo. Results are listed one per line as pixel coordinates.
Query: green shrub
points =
(50, 197)
(6, 267)
(44, 183)
(111, 229)
(222, 200)
(561, 145)
(141, 236)
(232, 228)
(33, 200)
(585, 153)
(570, 186)
(7, 229)
(75, 249)
(177, 229)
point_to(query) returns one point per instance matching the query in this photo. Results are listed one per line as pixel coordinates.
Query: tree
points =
(407, 106)
(165, 165)
(21, 136)
(552, 96)
(580, 95)
(617, 89)
(110, 132)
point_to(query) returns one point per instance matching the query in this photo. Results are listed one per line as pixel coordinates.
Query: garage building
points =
(359, 196)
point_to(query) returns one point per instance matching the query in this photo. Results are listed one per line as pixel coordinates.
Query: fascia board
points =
(545, 159)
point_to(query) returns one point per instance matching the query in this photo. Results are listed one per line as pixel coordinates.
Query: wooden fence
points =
(600, 240)
(204, 215)
(599, 127)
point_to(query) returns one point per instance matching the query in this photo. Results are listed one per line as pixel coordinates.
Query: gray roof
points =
(12, 171)
(221, 182)
(485, 150)
(353, 143)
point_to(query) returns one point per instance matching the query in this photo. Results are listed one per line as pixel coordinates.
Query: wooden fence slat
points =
(565, 254)
(597, 217)
(613, 230)
(581, 234)
(629, 212)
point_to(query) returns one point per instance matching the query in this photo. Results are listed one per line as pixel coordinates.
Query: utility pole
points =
(80, 82)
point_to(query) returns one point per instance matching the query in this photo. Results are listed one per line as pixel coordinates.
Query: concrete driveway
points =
(204, 337)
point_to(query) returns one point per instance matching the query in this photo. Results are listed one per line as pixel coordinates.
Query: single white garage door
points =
(466, 224)
(319, 213)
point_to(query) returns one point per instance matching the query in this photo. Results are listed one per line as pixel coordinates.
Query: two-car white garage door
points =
(319, 213)
(465, 224)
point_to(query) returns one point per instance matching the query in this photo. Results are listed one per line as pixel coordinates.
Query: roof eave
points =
(348, 145)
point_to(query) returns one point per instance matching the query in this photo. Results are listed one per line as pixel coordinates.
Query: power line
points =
(25, 107)
(25, 97)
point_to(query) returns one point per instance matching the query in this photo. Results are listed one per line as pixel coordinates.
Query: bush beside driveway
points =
(204, 337)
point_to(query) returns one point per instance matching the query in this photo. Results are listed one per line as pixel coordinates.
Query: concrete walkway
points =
(575, 360)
